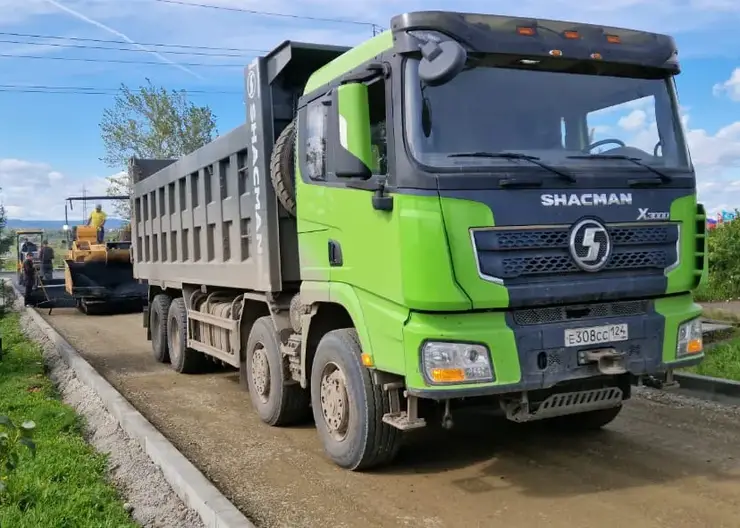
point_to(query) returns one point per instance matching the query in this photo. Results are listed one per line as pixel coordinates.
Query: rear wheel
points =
(278, 399)
(583, 422)
(158, 313)
(183, 359)
(348, 407)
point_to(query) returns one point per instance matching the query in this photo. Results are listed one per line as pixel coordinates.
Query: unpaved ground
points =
(152, 502)
(668, 461)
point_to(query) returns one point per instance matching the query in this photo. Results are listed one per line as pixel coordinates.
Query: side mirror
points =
(350, 141)
(441, 61)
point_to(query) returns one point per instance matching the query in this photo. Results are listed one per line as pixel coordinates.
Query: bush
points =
(723, 244)
(12, 439)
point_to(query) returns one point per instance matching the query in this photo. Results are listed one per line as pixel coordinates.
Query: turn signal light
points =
(695, 346)
(522, 30)
(447, 375)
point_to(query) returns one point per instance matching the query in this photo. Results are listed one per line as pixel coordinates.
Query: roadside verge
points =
(188, 483)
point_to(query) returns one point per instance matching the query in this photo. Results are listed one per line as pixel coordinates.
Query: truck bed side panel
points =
(203, 220)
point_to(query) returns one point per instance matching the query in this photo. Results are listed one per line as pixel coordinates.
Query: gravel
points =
(147, 495)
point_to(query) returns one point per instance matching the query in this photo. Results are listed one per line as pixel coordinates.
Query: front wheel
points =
(348, 407)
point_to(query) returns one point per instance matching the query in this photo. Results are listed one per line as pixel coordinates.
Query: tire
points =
(583, 422)
(282, 168)
(362, 440)
(158, 313)
(278, 400)
(182, 359)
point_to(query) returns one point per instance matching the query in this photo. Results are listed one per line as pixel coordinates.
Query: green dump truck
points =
(428, 219)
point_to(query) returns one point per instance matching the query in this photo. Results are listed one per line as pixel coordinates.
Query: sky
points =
(61, 62)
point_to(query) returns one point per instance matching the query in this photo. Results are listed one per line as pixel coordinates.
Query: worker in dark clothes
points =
(27, 247)
(46, 256)
(29, 277)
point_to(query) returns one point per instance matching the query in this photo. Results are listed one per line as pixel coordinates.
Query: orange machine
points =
(100, 275)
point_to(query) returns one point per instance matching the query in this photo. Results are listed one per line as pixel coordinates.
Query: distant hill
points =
(18, 223)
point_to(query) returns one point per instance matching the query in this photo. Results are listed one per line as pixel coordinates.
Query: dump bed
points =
(212, 216)
(207, 219)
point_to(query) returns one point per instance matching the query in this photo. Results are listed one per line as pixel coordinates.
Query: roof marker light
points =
(528, 31)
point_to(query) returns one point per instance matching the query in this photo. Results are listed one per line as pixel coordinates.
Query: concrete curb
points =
(193, 488)
(708, 385)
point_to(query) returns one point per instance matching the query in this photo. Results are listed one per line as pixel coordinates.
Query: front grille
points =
(559, 314)
(511, 253)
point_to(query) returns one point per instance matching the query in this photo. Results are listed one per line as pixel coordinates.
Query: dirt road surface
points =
(667, 461)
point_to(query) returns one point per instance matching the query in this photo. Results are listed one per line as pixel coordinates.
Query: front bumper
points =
(514, 348)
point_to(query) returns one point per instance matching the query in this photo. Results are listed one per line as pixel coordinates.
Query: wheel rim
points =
(335, 401)
(261, 372)
(174, 338)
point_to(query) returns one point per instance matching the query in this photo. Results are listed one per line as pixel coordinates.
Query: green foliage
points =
(64, 485)
(7, 237)
(723, 244)
(12, 440)
(150, 122)
(721, 361)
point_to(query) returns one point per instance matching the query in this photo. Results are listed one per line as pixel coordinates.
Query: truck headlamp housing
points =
(447, 363)
(690, 339)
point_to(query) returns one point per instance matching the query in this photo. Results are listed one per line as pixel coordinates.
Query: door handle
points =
(335, 254)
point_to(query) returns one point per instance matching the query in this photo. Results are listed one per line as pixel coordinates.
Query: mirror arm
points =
(377, 185)
(370, 71)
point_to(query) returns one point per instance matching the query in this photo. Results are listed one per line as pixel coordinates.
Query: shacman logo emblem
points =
(590, 245)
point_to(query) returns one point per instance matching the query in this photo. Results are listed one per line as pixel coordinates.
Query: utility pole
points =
(84, 204)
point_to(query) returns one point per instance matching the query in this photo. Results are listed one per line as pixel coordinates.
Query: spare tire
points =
(282, 168)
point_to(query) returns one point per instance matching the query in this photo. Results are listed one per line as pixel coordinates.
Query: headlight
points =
(689, 340)
(456, 363)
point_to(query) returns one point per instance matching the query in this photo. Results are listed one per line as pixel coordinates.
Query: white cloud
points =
(730, 87)
(633, 121)
(34, 190)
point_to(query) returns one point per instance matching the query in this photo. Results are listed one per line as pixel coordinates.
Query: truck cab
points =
(491, 243)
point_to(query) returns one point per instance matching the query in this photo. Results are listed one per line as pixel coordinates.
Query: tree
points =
(6, 236)
(150, 122)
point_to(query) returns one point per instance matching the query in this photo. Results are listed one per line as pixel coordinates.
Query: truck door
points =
(344, 235)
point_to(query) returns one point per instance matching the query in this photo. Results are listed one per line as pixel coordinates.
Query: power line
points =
(118, 61)
(270, 13)
(70, 92)
(100, 89)
(108, 41)
(87, 46)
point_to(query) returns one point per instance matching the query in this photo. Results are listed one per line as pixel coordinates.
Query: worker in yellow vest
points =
(97, 220)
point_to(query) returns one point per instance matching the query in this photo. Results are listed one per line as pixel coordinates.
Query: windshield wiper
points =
(515, 156)
(664, 178)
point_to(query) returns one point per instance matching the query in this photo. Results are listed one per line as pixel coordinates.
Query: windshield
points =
(561, 118)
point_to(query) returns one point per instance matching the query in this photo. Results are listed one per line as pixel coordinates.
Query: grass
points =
(722, 360)
(65, 485)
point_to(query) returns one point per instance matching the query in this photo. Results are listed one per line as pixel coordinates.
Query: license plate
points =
(596, 335)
